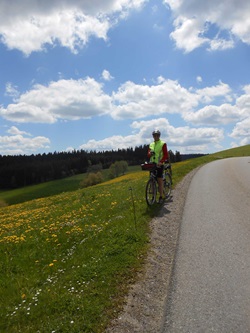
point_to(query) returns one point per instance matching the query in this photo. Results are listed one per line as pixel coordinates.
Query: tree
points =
(118, 168)
(92, 179)
(178, 156)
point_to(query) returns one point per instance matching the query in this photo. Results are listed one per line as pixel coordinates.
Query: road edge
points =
(145, 305)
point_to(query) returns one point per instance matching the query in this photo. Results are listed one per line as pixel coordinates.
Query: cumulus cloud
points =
(187, 33)
(139, 101)
(70, 29)
(85, 98)
(114, 142)
(221, 114)
(243, 102)
(106, 75)
(186, 138)
(177, 136)
(15, 131)
(18, 142)
(167, 96)
(242, 129)
(64, 99)
(199, 79)
(194, 20)
(11, 90)
(213, 115)
(208, 94)
(29, 25)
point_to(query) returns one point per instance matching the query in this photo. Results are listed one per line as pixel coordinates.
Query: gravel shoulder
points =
(145, 304)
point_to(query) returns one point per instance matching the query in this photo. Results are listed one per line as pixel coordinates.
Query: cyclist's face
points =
(156, 137)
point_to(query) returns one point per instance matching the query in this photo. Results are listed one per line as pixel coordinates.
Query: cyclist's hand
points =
(159, 164)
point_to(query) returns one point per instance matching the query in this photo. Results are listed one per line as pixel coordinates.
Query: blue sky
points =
(101, 75)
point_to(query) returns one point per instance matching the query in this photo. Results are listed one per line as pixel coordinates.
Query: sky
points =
(103, 74)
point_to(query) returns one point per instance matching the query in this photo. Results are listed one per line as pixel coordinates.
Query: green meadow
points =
(69, 255)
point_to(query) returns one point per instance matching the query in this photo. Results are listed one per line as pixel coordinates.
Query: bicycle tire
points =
(167, 185)
(151, 191)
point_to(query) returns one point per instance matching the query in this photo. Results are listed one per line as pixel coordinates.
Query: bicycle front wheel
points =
(167, 185)
(151, 191)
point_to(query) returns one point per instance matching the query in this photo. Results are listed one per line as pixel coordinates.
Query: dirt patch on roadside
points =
(145, 304)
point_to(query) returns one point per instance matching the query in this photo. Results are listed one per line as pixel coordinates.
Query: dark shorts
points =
(160, 171)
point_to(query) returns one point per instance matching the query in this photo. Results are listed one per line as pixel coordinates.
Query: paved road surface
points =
(211, 281)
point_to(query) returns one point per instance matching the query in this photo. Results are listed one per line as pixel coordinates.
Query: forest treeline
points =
(22, 170)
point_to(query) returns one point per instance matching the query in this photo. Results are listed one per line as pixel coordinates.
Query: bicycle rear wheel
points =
(151, 191)
(167, 185)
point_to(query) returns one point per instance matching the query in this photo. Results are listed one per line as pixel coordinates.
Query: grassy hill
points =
(68, 255)
(72, 183)
(48, 188)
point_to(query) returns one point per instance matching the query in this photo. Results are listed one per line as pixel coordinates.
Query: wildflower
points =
(51, 264)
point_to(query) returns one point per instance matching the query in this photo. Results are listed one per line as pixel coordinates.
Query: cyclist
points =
(158, 153)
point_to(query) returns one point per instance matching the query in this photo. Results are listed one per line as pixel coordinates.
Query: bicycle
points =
(152, 184)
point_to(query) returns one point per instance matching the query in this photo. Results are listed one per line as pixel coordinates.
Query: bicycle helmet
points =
(156, 132)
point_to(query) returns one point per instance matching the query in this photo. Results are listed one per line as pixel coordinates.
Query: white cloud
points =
(242, 129)
(114, 142)
(199, 79)
(221, 44)
(213, 115)
(181, 138)
(140, 101)
(246, 89)
(208, 94)
(17, 143)
(106, 75)
(222, 114)
(15, 131)
(187, 33)
(68, 28)
(193, 20)
(245, 141)
(78, 99)
(11, 90)
(64, 99)
(168, 96)
(81, 99)
(29, 25)
(70, 149)
(243, 103)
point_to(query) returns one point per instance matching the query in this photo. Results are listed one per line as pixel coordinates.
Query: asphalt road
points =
(210, 287)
